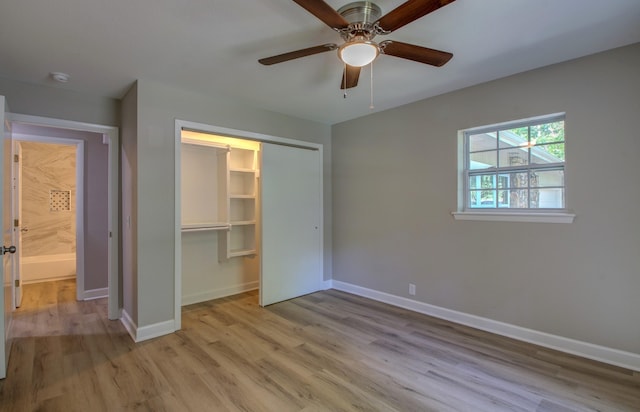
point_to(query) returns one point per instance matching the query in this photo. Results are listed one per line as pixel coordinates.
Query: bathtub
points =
(48, 267)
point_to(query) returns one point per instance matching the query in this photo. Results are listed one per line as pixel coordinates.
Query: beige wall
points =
(394, 188)
(47, 167)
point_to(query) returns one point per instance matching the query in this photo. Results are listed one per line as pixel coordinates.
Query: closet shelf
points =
(238, 196)
(242, 222)
(242, 170)
(241, 252)
(201, 227)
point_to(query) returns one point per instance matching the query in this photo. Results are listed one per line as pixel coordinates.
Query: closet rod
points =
(205, 228)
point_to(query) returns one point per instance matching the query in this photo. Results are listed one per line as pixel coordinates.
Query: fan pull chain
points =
(344, 81)
(371, 107)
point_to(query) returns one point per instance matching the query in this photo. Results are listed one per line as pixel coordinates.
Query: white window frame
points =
(465, 212)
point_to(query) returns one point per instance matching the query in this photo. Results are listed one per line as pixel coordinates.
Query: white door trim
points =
(79, 144)
(112, 138)
(223, 131)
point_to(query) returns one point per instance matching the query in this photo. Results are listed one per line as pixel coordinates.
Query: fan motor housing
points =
(360, 12)
(362, 17)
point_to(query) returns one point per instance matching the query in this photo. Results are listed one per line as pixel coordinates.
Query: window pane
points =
(503, 198)
(483, 160)
(547, 153)
(482, 198)
(518, 198)
(517, 137)
(482, 181)
(503, 181)
(482, 141)
(548, 198)
(548, 133)
(513, 157)
(545, 178)
(518, 179)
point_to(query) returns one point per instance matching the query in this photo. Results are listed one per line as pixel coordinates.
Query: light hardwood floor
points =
(329, 351)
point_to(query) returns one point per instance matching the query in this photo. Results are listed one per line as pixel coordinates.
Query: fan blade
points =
(350, 77)
(324, 12)
(416, 53)
(267, 61)
(408, 12)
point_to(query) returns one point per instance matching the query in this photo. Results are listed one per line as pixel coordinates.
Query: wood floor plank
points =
(328, 351)
(12, 391)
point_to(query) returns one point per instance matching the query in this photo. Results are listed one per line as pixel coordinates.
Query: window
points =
(515, 167)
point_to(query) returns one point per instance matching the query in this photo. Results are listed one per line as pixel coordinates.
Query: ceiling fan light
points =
(358, 54)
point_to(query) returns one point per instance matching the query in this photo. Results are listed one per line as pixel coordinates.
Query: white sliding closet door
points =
(291, 197)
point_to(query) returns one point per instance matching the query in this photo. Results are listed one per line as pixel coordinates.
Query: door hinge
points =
(16, 222)
(110, 234)
(16, 158)
(17, 283)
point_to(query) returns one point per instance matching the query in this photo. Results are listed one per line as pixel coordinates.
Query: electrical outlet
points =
(412, 289)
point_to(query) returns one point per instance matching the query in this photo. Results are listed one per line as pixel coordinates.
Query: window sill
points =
(561, 217)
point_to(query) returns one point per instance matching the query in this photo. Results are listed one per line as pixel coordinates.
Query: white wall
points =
(394, 188)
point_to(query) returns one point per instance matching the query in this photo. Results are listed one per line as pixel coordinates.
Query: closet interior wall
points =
(220, 216)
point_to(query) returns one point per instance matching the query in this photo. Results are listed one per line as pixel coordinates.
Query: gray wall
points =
(157, 108)
(394, 188)
(58, 103)
(129, 196)
(96, 220)
(96, 159)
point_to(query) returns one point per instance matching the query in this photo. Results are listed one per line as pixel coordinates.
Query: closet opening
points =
(248, 216)
(219, 221)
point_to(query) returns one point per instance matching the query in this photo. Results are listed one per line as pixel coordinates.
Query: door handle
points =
(10, 249)
(24, 229)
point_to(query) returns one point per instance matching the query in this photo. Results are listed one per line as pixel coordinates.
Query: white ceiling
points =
(213, 46)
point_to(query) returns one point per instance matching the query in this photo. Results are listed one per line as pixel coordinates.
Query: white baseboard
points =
(95, 294)
(155, 330)
(218, 293)
(599, 353)
(327, 284)
(139, 334)
(129, 324)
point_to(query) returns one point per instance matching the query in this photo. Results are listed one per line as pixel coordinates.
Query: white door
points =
(19, 229)
(291, 243)
(6, 228)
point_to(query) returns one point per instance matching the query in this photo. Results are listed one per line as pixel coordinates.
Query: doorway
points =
(60, 177)
(46, 189)
(97, 216)
(222, 230)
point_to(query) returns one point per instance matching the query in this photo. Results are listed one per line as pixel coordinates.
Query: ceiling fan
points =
(358, 24)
